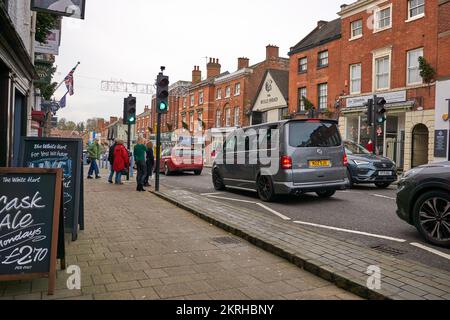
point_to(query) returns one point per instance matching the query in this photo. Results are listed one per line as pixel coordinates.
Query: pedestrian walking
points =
(94, 155)
(139, 157)
(121, 161)
(111, 162)
(150, 162)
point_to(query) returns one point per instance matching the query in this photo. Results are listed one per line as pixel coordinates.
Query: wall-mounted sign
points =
(390, 97)
(52, 44)
(440, 143)
(67, 8)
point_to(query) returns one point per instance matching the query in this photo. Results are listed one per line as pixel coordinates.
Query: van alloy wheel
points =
(265, 189)
(218, 181)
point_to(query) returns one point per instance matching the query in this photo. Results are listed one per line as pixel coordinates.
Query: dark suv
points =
(423, 200)
(366, 168)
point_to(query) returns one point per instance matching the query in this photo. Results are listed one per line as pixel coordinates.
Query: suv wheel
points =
(266, 191)
(326, 193)
(382, 185)
(218, 181)
(432, 217)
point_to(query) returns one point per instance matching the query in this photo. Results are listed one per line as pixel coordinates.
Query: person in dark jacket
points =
(150, 162)
(111, 161)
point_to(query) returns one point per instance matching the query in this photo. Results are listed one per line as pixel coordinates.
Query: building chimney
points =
(243, 63)
(145, 108)
(196, 75)
(272, 52)
(213, 68)
(321, 23)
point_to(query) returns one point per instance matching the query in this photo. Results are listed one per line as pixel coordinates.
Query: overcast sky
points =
(122, 40)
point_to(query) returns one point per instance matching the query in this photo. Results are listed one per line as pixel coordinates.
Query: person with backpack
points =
(111, 162)
(121, 160)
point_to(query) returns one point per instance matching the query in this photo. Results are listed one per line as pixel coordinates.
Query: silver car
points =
(286, 157)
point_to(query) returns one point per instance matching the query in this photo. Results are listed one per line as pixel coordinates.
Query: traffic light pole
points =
(158, 152)
(129, 147)
(374, 125)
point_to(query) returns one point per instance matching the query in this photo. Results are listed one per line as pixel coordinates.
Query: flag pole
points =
(60, 84)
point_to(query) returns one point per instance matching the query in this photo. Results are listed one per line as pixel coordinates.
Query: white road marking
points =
(211, 194)
(434, 251)
(350, 231)
(232, 199)
(273, 211)
(385, 197)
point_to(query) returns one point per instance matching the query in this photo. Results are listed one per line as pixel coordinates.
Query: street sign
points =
(30, 212)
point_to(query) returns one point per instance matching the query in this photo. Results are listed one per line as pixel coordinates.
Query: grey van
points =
(310, 157)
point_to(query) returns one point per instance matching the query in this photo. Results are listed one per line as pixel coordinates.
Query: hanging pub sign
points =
(30, 202)
(67, 8)
(66, 154)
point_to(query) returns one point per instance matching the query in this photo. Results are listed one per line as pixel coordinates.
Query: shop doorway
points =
(420, 136)
(20, 125)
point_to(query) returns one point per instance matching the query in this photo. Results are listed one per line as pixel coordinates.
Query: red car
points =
(181, 160)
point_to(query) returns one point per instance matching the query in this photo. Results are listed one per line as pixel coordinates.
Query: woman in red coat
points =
(121, 160)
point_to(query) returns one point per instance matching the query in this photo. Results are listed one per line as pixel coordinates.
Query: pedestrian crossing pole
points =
(158, 152)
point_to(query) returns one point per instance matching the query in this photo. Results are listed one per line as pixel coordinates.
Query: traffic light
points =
(129, 110)
(380, 110)
(162, 94)
(369, 112)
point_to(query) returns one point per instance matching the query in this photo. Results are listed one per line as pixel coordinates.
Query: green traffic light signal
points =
(162, 106)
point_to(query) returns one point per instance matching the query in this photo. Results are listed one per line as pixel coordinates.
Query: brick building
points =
(315, 69)
(374, 49)
(442, 142)
(385, 61)
(144, 123)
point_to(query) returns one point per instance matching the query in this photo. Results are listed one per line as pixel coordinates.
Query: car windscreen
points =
(314, 134)
(354, 148)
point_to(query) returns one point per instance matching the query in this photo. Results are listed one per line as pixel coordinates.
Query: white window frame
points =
(408, 69)
(382, 53)
(200, 97)
(355, 79)
(199, 120)
(192, 100)
(237, 89)
(376, 13)
(218, 119)
(219, 94)
(300, 64)
(319, 100)
(191, 121)
(319, 65)
(184, 102)
(352, 35)
(417, 16)
(236, 116)
(227, 117)
(302, 104)
(227, 92)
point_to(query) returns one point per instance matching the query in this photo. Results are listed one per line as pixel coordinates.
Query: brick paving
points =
(341, 262)
(138, 246)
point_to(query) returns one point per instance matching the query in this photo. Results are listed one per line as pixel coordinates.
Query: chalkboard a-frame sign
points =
(30, 203)
(66, 154)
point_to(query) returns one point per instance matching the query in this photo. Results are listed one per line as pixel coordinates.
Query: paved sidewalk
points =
(138, 246)
(341, 262)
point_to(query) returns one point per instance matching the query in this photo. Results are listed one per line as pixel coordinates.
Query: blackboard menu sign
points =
(30, 202)
(66, 154)
(440, 143)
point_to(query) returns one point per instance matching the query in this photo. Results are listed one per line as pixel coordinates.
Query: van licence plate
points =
(319, 163)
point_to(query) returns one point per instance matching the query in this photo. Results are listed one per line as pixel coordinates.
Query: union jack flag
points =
(68, 80)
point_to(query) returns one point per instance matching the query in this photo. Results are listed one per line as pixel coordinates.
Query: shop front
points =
(405, 137)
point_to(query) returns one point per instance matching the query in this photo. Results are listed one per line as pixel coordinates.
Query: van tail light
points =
(286, 163)
(345, 159)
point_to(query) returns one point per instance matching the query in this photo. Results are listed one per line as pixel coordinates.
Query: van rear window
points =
(314, 134)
